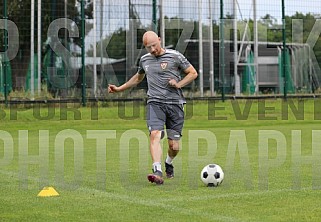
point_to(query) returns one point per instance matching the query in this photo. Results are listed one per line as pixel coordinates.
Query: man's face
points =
(153, 46)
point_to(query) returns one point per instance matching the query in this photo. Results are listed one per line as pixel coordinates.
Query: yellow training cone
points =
(48, 192)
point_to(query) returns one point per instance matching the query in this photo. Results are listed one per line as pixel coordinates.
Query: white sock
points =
(157, 166)
(169, 160)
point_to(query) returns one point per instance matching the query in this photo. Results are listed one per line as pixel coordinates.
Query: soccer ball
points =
(212, 175)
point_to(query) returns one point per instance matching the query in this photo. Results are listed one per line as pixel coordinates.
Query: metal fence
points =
(54, 49)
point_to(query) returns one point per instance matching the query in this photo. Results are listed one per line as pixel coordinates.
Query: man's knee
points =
(173, 144)
(157, 134)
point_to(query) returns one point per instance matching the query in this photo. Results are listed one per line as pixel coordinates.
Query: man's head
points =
(152, 43)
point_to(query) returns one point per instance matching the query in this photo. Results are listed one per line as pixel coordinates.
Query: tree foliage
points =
(115, 44)
(20, 13)
(269, 30)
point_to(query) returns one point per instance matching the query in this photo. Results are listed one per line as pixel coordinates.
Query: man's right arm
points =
(133, 81)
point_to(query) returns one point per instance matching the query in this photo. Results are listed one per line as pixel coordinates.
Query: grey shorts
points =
(169, 115)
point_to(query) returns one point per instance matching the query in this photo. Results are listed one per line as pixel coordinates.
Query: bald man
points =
(165, 103)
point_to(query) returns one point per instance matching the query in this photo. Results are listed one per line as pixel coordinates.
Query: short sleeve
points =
(140, 68)
(183, 63)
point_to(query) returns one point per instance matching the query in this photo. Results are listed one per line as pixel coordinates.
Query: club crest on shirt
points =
(163, 65)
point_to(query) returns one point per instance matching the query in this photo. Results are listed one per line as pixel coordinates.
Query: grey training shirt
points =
(159, 70)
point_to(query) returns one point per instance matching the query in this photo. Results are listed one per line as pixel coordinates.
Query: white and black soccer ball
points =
(212, 175)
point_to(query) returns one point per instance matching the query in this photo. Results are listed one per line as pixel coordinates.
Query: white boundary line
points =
(143, 202)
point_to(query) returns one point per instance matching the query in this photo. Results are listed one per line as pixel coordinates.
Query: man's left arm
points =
(191, 74)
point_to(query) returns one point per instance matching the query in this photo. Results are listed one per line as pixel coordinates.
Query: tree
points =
(116, 47)
(20, 13)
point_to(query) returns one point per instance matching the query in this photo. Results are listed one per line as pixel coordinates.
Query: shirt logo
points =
(163, 65)
(146, 68)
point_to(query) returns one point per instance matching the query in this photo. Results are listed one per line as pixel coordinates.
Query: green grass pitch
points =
(98, 159)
